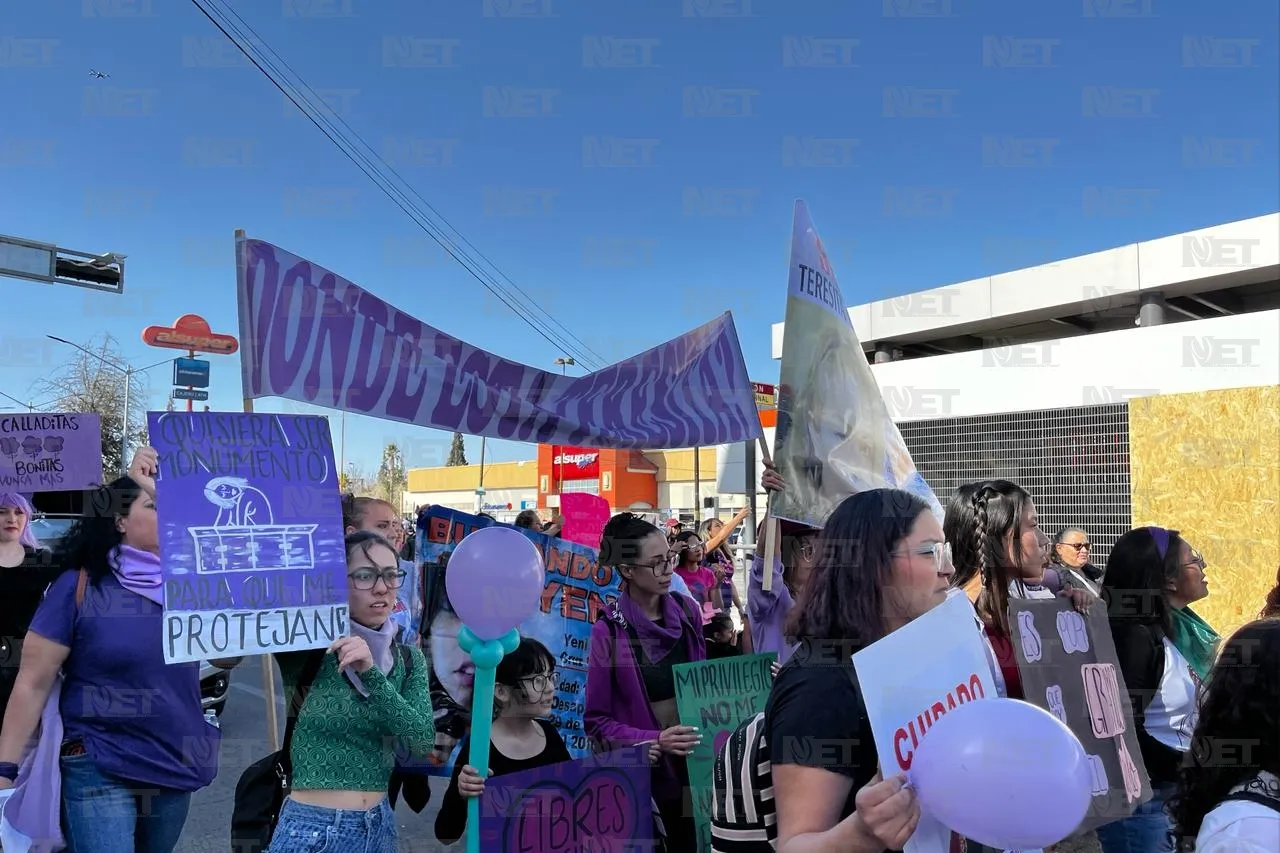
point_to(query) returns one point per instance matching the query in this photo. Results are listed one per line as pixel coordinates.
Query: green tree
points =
(457, 452)
(392, 479)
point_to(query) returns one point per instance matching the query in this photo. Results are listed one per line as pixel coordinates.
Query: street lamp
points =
(564, 364)
(129, 372)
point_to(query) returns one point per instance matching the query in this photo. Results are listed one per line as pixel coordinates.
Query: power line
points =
(244, 39)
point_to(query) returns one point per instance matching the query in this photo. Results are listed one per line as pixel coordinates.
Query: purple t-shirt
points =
(140, 719)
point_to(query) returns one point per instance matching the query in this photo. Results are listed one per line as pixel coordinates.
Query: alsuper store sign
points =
(575, 463)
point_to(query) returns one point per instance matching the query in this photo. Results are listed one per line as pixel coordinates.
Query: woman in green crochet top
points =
(359, 707)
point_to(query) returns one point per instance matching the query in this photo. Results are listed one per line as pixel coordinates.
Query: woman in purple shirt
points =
(135, 742)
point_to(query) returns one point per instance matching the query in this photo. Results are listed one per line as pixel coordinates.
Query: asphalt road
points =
(244, 741)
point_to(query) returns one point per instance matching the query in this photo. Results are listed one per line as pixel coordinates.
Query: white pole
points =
(124, 439)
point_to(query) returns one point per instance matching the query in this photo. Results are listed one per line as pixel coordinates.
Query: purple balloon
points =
(988, 769)
(494, 580)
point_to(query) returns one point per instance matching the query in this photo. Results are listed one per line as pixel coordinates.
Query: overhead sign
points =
(190, 332)
(190, 394)
(191, 372)
(495, 507)
(766, 395)
(575, 463)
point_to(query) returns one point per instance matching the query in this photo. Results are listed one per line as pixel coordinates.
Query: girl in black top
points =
(882, 561)
(520, 740)
(26, 570)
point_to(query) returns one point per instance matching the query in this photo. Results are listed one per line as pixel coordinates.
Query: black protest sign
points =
(1068, 665)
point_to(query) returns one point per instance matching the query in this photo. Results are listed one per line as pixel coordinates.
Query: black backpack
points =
(264, 785)
(743, 815)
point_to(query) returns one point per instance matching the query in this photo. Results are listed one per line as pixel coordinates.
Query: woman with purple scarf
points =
(630, 685)
(134, 743)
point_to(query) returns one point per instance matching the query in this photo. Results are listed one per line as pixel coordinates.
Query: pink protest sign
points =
(585, 516)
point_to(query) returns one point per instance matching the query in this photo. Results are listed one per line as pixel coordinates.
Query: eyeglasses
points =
(1197, 560)
(542, 683)
(1079, 546)
(368, 578)
(940, 551)
(659, 566)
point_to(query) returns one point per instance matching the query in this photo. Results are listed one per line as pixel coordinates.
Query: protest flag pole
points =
(268, 667)
(770, 527)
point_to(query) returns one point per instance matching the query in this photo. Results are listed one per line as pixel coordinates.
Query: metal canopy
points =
(45, 262)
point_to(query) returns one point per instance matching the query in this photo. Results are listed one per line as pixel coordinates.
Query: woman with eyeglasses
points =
(1071, 552)
(363, 701)
(700, 579)
(522, 738)
(378, 516)
(631, 692)
(1165, 652)
(881, 563)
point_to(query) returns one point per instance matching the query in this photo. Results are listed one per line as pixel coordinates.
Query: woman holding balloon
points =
(630, 696)
(521, 739)
(881, 562)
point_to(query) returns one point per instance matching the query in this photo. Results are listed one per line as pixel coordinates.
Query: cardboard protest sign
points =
(50, 452)
(835, 437)
(1068, 664)
(715, 696)
(585, 516)
(601, 803)
(575, 593)
(914, 676)
(308, 334)
(250, 534)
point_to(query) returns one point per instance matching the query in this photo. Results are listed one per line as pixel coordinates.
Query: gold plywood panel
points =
(1208, 464)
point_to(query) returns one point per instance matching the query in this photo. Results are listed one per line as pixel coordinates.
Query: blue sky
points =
(631, 243)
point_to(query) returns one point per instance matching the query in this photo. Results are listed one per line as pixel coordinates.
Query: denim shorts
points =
(315, 829)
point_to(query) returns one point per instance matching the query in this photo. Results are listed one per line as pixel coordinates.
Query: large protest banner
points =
(715, 696)
(576, 592)
(309, 335)
(50, 452)
(1068, 665)
(914, 676)
(835, 437)
(601, 804)
(250, 534)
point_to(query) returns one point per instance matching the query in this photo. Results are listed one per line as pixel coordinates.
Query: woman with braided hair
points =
(1011, 552)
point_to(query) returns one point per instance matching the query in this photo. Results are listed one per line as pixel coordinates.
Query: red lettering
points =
(938, 710)
(573, 604)
(557, 561)
(580, 568)
(548, 595)
(437, 530)
(975, 685)
(904, 761)
(963, 693)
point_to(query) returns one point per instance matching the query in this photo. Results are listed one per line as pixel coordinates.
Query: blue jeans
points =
(102, 814)
(314, 829)
(1147, 830)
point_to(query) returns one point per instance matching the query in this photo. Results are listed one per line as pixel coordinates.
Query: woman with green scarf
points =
(1165, 651)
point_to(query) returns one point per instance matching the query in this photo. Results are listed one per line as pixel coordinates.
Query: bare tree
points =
(85, 384)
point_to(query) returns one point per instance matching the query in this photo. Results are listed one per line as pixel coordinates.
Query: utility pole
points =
(480, 486)
(697, 485)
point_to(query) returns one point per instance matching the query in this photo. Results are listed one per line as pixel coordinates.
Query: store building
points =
(659, 482)
(1138, 385)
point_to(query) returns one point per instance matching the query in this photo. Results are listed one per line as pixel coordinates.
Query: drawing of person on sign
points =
(833, 436)
(239, 504)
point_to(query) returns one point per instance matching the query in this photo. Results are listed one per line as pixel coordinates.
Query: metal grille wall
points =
(1074, 462)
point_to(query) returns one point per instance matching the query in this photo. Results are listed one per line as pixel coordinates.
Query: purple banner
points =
(50, 452)
(600, 803)
(250, 533)
(309, 335)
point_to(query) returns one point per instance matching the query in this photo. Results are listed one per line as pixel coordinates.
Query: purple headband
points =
(1161, 537)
